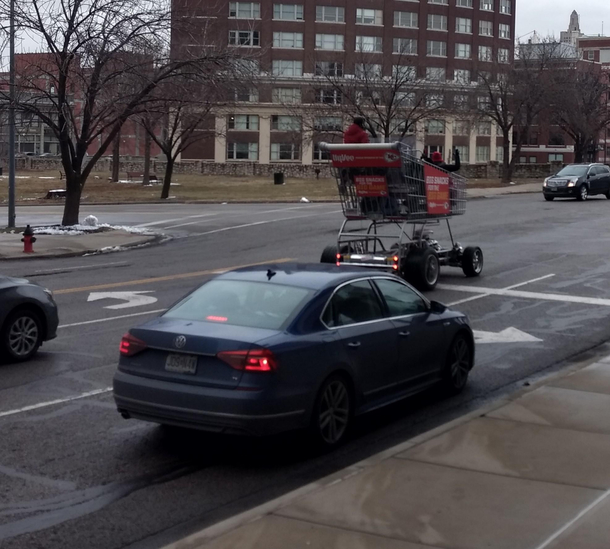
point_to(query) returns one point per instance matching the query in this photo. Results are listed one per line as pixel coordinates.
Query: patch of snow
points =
(175, 184)
(304, 199)
(57, 190)
(24, 199)
(90, 221)
(46, 177)
(129, 182)
(512, 183)
(67, 231)
(76, 230)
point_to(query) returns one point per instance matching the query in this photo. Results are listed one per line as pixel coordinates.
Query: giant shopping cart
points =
(391, 200)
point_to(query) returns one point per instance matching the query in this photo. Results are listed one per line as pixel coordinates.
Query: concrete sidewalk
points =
(531, 472)
(11, 246)
(491, 192)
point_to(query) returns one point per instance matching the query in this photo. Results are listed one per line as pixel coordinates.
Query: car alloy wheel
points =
(431, 270)
(334, 411)
(23, 336)
(459, 364)
(583, 193)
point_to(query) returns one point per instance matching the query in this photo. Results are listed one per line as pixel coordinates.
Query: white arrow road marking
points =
(509, 335)
(133, 299)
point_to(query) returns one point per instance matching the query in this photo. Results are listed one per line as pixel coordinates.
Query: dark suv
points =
(578, 181)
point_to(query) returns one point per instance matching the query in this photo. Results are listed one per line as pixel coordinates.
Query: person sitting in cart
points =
(356, 132)
(437, 160)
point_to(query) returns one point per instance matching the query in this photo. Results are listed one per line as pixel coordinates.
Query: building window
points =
(287, 39)
(405, 46)
(320, 154)
(484, 127)
(461, 102)
(404, 72)
(462, 51)
(522, 159)
(500, 154)
(485, 53)
(533, 160)
(246, 96)
(243, 122)
(505, 7)
(244, 38)
(437, 22)
(369, 17)
(461, 127)
(482, 153)
(284, 151)
(464, 151)
(487, 5)
(435, 127)
(463, 25)
(436, 48)
(486, 28)
(591, 55)
(329, 97)
(503, 55)
(242, 151)
(330, 14)
(328, 68)
(461, 76)
(406, 19)
(288, 12)
(284, 67)
(483, 103)
(285, 123)
(556, 157)
(435, 100)
(436, 74)
(369, 44)
(405, 99)
(328, 124)
(246, 67)
(286, 95)
(442, 2)
(330, 42)
(463, 3)
(368, 71)
(504, 31)
(245, 10)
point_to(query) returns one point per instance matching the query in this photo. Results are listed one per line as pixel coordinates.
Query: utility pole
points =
(11, 119)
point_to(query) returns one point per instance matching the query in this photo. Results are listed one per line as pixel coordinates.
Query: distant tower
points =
(573, 33)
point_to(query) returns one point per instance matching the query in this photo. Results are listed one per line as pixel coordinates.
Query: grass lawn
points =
(32, 187)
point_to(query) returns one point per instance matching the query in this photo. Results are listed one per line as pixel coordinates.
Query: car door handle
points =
(404, 334)
(354, 344)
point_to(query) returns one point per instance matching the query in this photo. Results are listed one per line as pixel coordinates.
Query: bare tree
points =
(89, 78)
(514, 96)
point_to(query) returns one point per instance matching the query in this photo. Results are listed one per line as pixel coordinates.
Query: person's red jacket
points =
(355, 134)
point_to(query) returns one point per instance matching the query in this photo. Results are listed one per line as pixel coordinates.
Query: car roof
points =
(314, 276)
(586, 164)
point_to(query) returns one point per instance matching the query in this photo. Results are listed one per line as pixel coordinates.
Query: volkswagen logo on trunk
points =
(179, 342)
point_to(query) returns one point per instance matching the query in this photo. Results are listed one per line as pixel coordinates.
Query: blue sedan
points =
(272, 348)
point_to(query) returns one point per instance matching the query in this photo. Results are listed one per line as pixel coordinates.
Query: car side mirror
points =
(437, 307)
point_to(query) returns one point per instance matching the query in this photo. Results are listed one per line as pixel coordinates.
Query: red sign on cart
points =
(437, 190)
(366, 158)
(371, 185)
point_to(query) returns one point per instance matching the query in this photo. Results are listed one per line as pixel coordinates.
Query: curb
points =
(196, 540)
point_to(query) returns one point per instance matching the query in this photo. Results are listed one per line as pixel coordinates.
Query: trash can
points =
(278, 178)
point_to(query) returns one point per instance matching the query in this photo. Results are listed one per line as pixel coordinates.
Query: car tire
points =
(333, 412)
(458, 365)
(472, 261)
(422, 268)
(583, 193)
(21, 335)
(549, 198)
(329, 254)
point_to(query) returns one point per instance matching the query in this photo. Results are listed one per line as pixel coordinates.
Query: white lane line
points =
(97, 266)
(98, 320)
(161, 222)
(474, 298)
(569, 524)
(53, 402)
(528, 295)
(223, 229)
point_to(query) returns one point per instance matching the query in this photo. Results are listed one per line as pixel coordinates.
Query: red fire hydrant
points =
(28, 240)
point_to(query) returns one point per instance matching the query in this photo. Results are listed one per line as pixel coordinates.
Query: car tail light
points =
(255, 360)
(339, 258)
(131, 345)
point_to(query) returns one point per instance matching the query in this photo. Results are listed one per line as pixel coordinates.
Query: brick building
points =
(447, 41)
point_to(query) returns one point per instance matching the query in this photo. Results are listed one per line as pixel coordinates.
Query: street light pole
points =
(11, 119)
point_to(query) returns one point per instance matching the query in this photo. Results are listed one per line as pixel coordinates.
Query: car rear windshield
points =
(241, 303)
(573, 171)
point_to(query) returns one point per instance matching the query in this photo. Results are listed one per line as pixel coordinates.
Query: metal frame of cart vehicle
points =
(391, 199)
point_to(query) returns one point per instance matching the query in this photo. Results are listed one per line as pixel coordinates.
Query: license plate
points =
(181, 364)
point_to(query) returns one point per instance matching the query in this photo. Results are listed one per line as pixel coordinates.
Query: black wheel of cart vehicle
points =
(422, 268)
(472, 261)
(329, 255)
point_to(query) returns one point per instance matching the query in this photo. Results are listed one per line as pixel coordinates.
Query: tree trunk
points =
(72, 205)
(507, 165)
(578, 151)
(167, 180)
(147, 144)
(116, 157)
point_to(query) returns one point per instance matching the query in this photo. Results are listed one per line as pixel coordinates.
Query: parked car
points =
(28, 317)
(578, 181)
(268, 349)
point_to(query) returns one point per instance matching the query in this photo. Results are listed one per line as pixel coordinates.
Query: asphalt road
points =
(73, 474)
